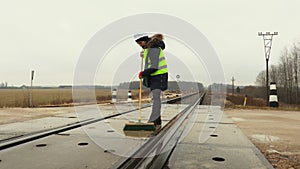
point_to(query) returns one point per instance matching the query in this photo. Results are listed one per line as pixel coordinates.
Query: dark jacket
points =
(157, 81)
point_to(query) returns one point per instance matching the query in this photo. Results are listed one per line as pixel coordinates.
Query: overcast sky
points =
(48, 36)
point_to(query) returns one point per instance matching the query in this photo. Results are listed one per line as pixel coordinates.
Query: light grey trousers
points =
(156, 107)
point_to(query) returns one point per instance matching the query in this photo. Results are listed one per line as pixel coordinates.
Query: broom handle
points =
(140, 95)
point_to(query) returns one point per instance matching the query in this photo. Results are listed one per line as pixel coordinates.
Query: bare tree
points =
(295, 57)
(284, 74)
(273, 73)
(287, 75)
(261, 78)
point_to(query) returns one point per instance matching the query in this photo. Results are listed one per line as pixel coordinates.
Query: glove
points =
(142, 54)
(140, 74)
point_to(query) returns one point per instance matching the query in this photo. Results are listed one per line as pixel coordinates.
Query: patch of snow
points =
(265, 138)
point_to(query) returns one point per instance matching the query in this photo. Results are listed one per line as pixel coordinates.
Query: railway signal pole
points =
(267, 37)
(30, 93)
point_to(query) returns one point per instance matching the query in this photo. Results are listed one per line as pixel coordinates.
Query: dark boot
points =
(157, 121)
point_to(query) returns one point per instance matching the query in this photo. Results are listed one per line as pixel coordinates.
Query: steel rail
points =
(158, 149)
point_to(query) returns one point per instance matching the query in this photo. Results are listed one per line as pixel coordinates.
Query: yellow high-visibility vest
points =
(162, 64)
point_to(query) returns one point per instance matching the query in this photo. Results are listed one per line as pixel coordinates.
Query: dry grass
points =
(59, 97)
(43, 97)
(40, 97)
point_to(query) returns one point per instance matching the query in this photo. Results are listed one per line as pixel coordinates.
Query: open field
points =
(20, 97)
(274, 132)
(40, 97)
(55, 97)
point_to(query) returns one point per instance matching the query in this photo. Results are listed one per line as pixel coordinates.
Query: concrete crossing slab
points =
(226, 146)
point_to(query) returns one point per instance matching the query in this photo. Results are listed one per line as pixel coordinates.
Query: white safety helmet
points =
(140, 37)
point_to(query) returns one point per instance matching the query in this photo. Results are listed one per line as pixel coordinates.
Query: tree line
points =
(285, 74)
(172, 85)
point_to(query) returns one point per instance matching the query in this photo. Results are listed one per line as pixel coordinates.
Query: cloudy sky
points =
(49, 36)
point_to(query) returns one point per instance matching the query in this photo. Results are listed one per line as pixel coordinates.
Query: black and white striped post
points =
(129, 99)
(114, 96)
(273, 99)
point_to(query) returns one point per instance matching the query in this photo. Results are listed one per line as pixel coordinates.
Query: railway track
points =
(157, 150)
(18, 140)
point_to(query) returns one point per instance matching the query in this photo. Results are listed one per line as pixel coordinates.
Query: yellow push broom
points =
(139, 129)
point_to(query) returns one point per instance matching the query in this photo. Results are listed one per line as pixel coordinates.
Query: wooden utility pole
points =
(30, 92)
(232, 80)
